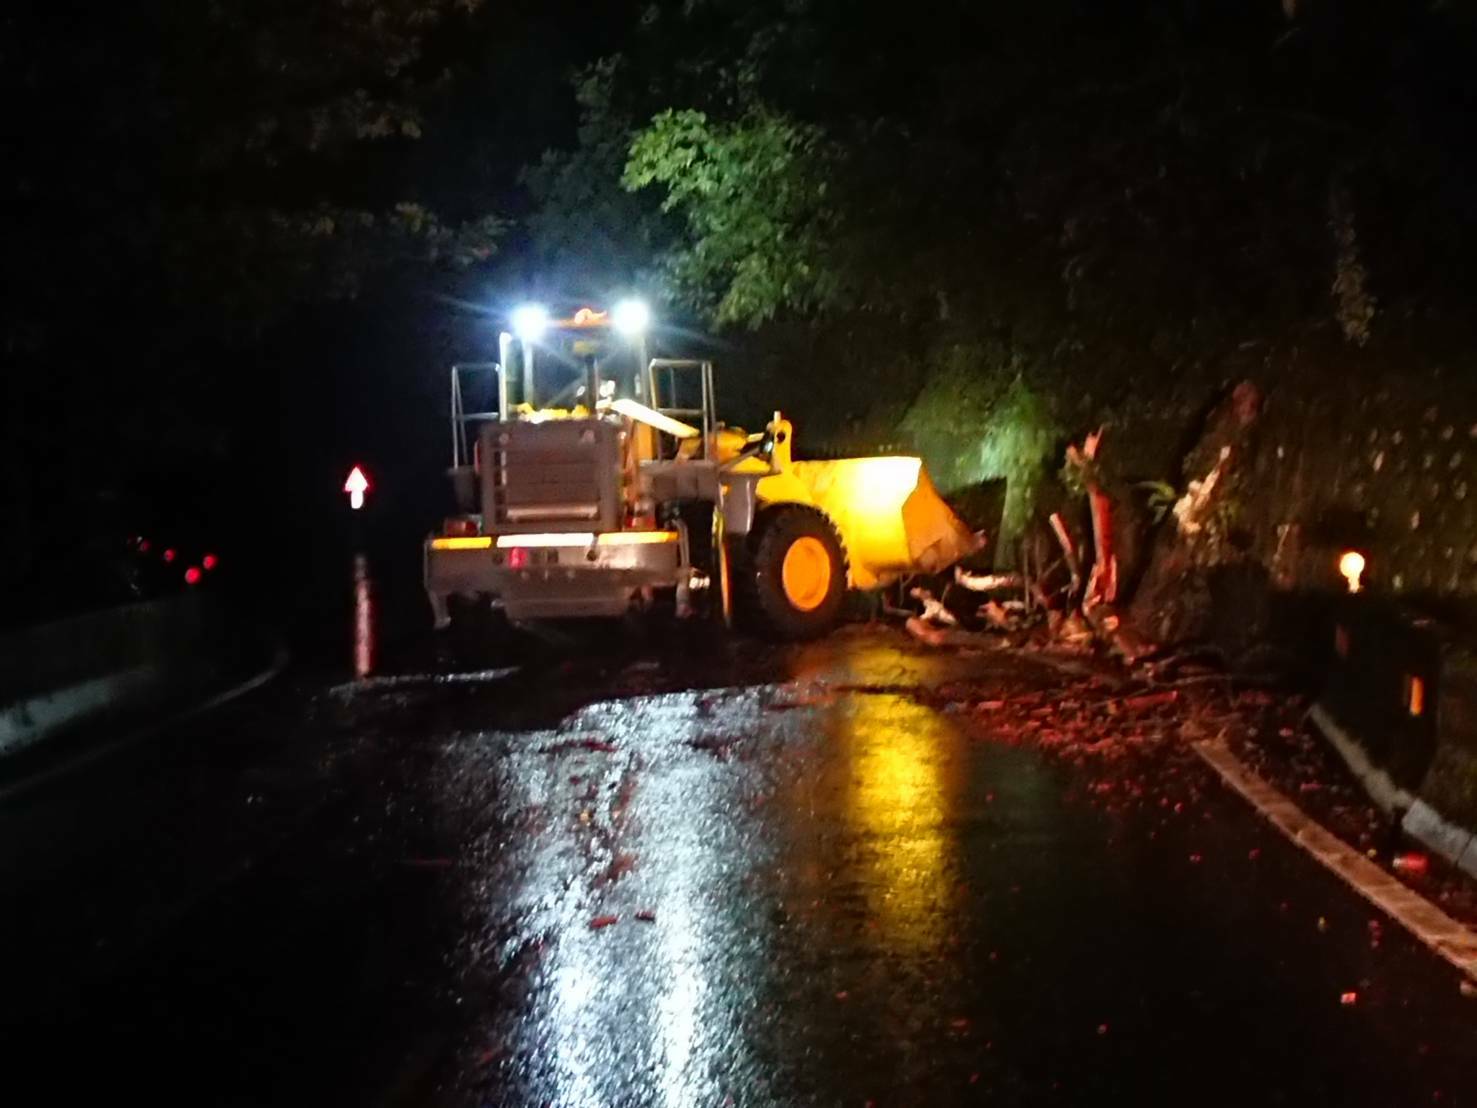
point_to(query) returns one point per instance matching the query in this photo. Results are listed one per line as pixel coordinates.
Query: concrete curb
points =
(1446, 937)
(280, 659)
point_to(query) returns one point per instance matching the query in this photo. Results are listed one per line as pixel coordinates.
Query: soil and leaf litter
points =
(1132, 732)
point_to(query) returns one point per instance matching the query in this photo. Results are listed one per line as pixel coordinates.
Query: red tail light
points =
(192, 575)
(518, 557)
(210, 561)
(169, 555)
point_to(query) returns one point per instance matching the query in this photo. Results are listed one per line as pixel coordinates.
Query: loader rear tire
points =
(789, 577)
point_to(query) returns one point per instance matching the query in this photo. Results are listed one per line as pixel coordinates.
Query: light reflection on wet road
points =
(854, 900)
(698, 875)
(365, 617)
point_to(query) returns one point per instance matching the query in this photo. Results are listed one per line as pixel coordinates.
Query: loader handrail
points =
(672, 366)
(461, 453)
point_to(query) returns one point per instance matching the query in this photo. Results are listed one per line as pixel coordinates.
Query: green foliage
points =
(267, 259)
(277, 82)
(754, 195)
(184, 176)
(979, 419)
(1159, 498)
(1119, 203)
(586, 231)
(259, 145)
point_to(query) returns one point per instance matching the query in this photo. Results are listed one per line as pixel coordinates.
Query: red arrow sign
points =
(356, 486)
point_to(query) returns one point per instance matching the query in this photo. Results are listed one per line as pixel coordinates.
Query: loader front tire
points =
(789, 577)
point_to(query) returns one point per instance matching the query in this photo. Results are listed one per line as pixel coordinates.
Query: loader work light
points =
(632, 317)
(530, 322)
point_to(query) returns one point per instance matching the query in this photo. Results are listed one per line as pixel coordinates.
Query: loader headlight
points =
(631, 317)
(530, 322)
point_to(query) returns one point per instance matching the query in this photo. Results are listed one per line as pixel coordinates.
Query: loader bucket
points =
(891, 519)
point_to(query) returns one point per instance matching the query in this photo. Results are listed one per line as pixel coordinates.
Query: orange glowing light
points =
(462, 542)
(1415, 695)
(637, 538)
(1351, 565)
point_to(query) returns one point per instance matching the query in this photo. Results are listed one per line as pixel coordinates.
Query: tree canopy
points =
(1040, 214)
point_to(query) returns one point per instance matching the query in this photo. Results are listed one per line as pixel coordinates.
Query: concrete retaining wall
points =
(58, 677)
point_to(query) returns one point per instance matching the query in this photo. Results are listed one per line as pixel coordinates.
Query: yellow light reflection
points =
(902, 798)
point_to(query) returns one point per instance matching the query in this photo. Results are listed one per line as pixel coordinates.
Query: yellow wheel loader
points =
(608, 485)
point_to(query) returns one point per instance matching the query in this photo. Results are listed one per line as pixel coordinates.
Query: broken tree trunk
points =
(1069, 551)
(1099, 603)
(1102, 582)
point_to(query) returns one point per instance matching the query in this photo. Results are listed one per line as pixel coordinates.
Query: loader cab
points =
(589, 365)
(558, 367)
(572, 415)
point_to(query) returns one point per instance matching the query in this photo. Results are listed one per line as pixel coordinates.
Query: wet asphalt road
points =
(699, 872)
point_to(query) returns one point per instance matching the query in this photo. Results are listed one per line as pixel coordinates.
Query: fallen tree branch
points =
(1069, 550)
